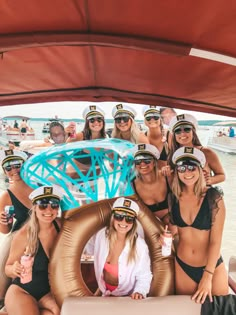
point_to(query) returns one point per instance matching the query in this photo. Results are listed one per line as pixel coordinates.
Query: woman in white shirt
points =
(121, 256)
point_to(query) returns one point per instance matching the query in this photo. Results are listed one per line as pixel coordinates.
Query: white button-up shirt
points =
(134, 276)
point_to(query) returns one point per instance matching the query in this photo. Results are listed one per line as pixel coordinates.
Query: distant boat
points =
(222, 142)
(15, 135)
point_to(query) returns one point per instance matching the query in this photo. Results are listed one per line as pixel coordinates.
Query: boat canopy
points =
(180, 54)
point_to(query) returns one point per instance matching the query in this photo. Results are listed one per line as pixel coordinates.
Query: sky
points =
(69, 110)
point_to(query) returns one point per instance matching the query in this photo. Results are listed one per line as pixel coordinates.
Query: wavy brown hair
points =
(88, 134)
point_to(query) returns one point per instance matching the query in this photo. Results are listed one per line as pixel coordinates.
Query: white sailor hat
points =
(121, 110)
(93, 111)
(126, 205)
(12, 155)
(141, 150)
(183, 119)
(46, 192)
(189, 155)
(151, 110)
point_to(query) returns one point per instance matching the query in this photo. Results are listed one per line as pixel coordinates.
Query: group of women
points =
(173, 178)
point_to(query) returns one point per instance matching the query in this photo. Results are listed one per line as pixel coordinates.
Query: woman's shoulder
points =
(5, 197)
(21, 234)
(215, 191)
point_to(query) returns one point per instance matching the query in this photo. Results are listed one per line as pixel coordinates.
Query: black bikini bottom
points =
(195, 273)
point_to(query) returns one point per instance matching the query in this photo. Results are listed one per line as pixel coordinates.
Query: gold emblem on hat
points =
(188, 150)
(152, 106)
(141, 146)
(9, 152)
(47, 190)
(92, 107)
(119, 106)
(180, 117)
(127, 203)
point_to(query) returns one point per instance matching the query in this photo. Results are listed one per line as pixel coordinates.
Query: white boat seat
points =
(169, 305)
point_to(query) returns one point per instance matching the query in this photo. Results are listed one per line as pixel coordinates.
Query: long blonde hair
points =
(177, 185)
(32, 233)
(131, 237)
(134, 132)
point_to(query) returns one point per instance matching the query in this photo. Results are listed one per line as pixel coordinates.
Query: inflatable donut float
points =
(79, 226)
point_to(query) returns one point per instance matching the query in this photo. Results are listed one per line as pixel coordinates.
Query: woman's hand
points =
(136, 296)
(4, 219)
(204, 289)
(207, 177)
(17, 269)
(166, 170)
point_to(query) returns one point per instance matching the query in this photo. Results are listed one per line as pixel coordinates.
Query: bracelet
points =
(210, 272)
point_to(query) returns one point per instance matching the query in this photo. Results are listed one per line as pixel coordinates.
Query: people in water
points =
(125, 126)
(198, 211)
(35, 239)
(150, 184)
(184, 132)
(94, 127)
(121, 256)
(156, 133)
(17, 193)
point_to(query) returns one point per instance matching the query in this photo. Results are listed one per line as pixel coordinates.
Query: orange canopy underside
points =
(118, 50)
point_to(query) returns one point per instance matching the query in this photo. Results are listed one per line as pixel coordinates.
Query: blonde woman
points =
(121, 257)
(198, 212)
(125, 126)
(156, 134)
(35, 239)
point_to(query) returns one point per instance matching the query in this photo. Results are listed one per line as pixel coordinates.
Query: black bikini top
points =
(156, 206)
(206, 213)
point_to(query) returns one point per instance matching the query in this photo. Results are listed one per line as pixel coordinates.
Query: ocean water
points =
(229, 186)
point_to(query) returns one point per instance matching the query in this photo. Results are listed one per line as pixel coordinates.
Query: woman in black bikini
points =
(17, 194)
(149, 184)
(37, 237)
(199, 213)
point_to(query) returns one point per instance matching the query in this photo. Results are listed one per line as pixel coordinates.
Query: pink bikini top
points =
(112, 269)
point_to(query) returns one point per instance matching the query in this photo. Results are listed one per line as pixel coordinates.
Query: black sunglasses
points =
(43, 204)
(124, 119)
(178, 131)
(98, 119)
(145, 161)
(13, 166)
(152, 117)
(120, 217)
(184, 168)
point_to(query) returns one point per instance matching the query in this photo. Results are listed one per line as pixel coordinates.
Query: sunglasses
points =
(99, 120)
(184, 168)
(120, 217)
(43, 204)
(152, 117)
(13, 166)
(120, 119)
(178, 131)
(145, 161)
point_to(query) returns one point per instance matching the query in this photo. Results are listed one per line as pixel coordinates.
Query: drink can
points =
(27, 262)
(9, 210)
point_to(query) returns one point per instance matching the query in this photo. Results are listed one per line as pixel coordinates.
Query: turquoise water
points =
(229, 163)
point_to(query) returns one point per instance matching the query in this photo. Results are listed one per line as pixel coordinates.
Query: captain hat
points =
(126, 205)
(151, 110)
(141, 150)
(121, 110)
(12, 155)
(189, 154)
(46, 192)
(183, 119)
(93, 111)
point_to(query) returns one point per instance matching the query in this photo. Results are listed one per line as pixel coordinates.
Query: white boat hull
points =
(224, 144)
